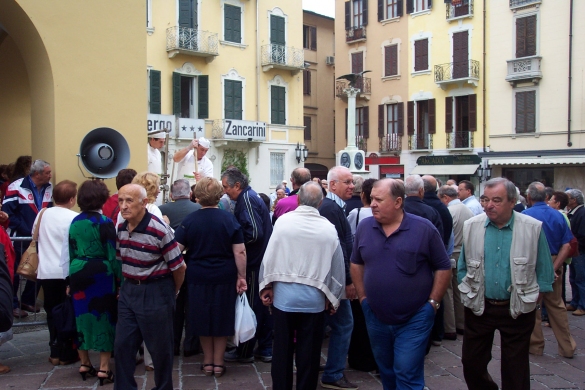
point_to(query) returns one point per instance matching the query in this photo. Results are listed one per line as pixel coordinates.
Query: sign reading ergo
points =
(237, 129)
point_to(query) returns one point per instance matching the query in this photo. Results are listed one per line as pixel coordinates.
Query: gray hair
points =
(358, 182)
(300, 176)
(575, 194)
(396, 188)
(310, 194)
(180, 189)
(333, 174)
(447, 191)
(428, 185)
(142, 191)
(233, 175)
(536, 191)
(510, 187)
(38, 166)
(279, 187)
(412, 184)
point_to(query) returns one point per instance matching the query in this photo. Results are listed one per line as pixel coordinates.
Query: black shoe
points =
(460, 331)
(342, 384)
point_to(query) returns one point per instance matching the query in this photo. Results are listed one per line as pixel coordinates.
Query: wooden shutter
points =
(381, 121)
(391, 60)
(232, 23)
(365, 12)
(347, 15)
(410, 114)
(530, 36)
(233, 99)
(432, 124)
(400, 109)
(155, 101)
(357, 62)
(472, 112)
(430, 4)
(187, 13)
(421, 55)
(307, 123)
(306, 82)
(278, 105)
(460, 54)
(277, 35)
(346, 123)
(313, 38)
(399, 7)
(448, 115)
(203, 97)
(409, 7)
(176, 93)
(381, 10)
(526, 112)
(366, 121)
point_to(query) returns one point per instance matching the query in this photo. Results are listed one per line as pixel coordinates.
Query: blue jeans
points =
(400, 349)
(341, 324)
(577, 281)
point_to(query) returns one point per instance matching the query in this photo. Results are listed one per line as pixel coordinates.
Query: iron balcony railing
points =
(458, 9)
(364, 84)
(460, 140)
(355, 34)
(391, 143)
(527, 68)
(420, 141)
(522, 3)
(361, 143)
(457, 70)
(284, 57)
(192, 41)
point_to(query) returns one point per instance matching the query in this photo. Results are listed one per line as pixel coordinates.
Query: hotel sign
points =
(465, 159)
(244, 130)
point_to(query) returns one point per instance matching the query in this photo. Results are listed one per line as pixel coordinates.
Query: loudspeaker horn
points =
(104, 152)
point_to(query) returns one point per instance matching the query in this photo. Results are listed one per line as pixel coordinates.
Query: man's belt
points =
(145, 281)
(498, 302)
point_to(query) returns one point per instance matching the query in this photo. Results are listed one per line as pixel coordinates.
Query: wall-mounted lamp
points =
(301, 153)
(484, 174)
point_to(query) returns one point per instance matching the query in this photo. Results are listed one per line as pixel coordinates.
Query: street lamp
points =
(301, 153)
(487, 171)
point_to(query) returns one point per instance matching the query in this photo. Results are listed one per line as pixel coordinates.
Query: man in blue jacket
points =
(252, 214)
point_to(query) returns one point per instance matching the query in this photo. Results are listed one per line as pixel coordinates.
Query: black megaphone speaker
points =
(104, 152)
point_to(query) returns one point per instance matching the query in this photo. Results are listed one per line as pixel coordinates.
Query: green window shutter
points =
(238, 100)
(232, 23)
(187, 13)
(155, 102)
(278, 105)
(203, 97)
(233, 99)
(176, 93)
(277, 35)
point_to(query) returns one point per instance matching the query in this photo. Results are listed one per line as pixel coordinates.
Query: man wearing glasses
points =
(504, 268)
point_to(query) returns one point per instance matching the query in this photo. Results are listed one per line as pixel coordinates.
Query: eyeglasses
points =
(346, 182)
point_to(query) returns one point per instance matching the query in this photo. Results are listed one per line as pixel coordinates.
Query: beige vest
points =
(523, 254)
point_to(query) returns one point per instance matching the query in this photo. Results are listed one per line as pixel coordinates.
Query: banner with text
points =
(244, 130)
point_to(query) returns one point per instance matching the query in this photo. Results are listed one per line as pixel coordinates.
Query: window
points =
(149, 16)
(460, 120)
(188, 13)
(358, 10)
(526, 112)
(390, 60)
(278, 105)
(309, 37)
(276, 168)
(362, 122)
(392, 119)
(232, 23)
(389, 9)
(154, 99)
(413, 6)
(233, 99)
(307, 123)
(278, 39)
(421, 123)
(357, 62)
(421, 55)
(461, 55)
(526, 36)
(306, 82)
(390, 126)
(190, 96)
(356, 14)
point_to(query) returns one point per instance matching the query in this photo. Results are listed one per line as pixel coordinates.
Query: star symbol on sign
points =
(192, 128)
(184, 128)
(200, 128)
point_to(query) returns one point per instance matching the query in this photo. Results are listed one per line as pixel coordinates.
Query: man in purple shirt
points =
(400, 270)
(298, 177)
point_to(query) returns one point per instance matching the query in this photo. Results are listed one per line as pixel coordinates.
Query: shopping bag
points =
(245, 320)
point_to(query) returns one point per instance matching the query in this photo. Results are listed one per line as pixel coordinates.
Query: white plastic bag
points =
(245, 320)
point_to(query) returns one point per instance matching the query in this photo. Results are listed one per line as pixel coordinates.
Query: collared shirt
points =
(555, 228)
(473, 205)
(149, 251)
(454, 202)
(340, 202)
(498, 278)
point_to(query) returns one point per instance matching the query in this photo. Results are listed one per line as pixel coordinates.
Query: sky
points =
(323, 7)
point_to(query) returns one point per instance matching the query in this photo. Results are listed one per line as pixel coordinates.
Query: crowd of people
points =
(386, 269)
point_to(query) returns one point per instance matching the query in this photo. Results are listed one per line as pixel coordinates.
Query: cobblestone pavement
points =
(27, 355)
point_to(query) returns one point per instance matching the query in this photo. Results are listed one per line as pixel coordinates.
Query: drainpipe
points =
(257, 62)
(569, 143)
(484, 80)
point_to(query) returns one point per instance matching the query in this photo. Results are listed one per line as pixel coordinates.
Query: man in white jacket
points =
(303, 276)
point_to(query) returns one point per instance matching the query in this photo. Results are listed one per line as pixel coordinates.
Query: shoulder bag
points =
(29, 262)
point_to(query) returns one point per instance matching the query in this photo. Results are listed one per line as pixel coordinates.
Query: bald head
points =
(132, 200)
(299, 177)
(430, 183)
(310, 194)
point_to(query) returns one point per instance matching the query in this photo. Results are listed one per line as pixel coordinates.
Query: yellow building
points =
(68, 67)
(445, 99)
(229, 70)
(318, 87)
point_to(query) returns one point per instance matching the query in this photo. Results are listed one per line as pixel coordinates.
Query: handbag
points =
(574, 247)
(245, 320)
(29, 262)
(64, 320)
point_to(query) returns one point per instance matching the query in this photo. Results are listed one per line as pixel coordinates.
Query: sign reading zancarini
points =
(237, 129)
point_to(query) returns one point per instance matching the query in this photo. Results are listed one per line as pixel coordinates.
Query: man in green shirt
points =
(503, 269)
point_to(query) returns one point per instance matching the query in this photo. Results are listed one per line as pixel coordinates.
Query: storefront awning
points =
(445, 169)
(536, 160)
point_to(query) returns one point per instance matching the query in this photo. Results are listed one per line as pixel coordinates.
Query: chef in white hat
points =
(186, 161)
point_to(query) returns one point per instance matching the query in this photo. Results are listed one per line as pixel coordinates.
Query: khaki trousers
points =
(454, 317)
(557, 316)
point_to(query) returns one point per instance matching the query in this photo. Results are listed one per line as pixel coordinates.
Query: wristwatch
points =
(435, 304)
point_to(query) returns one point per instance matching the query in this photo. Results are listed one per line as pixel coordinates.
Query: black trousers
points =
(515, 342)
(308, 328)
(180, 320)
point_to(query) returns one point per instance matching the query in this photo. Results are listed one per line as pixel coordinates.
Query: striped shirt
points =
(149, 251)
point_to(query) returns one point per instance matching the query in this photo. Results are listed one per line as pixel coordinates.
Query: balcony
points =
(361, 143)
(192, 42)
(524, 69)
(464, 72)
(355, 34)
(459, 9)
(364, 84)
(523, 3)
(391, 143)
(420, 142)
(460, 140)
(282, 57)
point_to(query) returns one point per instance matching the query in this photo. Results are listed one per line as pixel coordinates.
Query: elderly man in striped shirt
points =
(153, 270)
